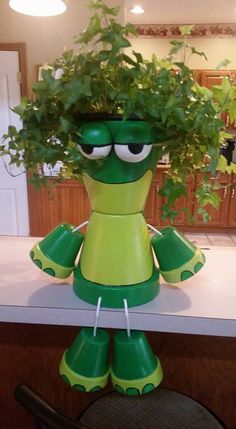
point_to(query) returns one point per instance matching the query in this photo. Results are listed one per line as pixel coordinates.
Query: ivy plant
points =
(100, 77)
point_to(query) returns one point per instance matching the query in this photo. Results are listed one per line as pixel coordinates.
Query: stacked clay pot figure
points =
(116, 265)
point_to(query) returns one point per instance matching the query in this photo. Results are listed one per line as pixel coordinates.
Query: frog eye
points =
(94, 152)
(134, 152)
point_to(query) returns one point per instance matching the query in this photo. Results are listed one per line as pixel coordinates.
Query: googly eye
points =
(94, 152)
(134, 152)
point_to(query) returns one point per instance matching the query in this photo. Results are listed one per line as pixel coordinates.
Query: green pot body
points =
(116, 261)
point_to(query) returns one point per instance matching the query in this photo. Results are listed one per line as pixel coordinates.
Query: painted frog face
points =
(119, 159)
(118, 151)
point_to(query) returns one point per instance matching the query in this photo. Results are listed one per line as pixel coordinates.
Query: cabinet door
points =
(183, 206)
(65, 202)
(219, 217)
(209, 78)
(232, 203)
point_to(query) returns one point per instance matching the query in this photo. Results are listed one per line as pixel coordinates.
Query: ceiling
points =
(182, 11)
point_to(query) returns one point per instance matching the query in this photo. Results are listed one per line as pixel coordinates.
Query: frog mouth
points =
(118, 198)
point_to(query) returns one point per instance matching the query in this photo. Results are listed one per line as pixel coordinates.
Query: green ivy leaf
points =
(100, 5)
(66, 125)
(20, 110)
(223, 64)
(203, 214)
(186, 30)
(138, 56)
(93, 29)
(77, 88)
(177, 46)
(196, 52)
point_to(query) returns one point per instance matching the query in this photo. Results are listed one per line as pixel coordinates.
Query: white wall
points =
(45, 37)
(216, 50)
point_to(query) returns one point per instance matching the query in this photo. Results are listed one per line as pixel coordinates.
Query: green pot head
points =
(119, 158)
(117, 151)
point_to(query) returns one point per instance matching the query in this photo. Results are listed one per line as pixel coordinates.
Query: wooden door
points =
(13, 188)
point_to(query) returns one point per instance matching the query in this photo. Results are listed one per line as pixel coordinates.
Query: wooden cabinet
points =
(219, 216)
(152, 203)
(232, 203)
(209, 78)
(64, 202)
(183, 205)
(223, 217)
(68, 202)
(153, 212)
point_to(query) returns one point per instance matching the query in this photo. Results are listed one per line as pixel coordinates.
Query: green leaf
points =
(130, 29)
(200, 53)
(66, 125)
(232, 112)
(223, 64)
(100, 5)
(129, 60)
(92, 30)
(40, 87)
(77, 88)
(204, 214)
(20, 110)
(138, 56)
(12, 132)
(186, 30)
(180, 114)
(173, 188)
(177, 46)
(202, 91)
(171, 102)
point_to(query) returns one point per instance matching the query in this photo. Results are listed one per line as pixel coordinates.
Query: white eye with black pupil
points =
(134, 152)
(94, 152)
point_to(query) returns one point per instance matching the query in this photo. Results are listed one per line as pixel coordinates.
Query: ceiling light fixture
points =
(137, 10)
(38, 7)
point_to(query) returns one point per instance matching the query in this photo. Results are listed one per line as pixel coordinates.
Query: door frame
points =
(21, 49)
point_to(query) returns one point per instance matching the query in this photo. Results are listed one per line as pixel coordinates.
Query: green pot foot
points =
(138, 386)
(80, 382)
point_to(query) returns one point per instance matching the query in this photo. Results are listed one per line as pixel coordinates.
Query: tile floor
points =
(212, 239)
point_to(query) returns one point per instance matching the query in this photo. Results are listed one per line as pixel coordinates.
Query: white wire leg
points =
(127, 316)
(97, 316)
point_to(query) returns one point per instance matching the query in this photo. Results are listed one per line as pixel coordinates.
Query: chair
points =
(46, 417)
(160, 409)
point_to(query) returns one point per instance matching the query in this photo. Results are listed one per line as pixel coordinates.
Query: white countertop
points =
(204, 304)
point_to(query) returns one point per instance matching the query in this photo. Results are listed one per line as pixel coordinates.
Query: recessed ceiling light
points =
(137, 10)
